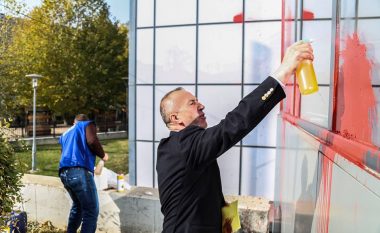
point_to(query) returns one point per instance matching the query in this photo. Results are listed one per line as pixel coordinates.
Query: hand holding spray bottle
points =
(307, 81)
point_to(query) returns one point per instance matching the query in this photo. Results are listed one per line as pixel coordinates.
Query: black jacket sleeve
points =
(206, 145)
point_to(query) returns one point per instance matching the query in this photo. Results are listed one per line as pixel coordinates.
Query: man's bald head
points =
(167, 104)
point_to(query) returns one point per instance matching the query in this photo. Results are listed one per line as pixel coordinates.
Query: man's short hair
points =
(163, 111)
(81, 117)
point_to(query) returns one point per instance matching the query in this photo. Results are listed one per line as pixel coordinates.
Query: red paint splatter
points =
(324, 194)
(307, 14)
(239, 18)
(356, 103)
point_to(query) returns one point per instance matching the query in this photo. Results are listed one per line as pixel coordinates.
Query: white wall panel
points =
(315, 107)
(175, 55)
(265, 133)
(174, 12)
(144, 113)
(145, 13)
(320, 32)
(144, 162)
(161, 131)
(258, 172)
(220, 54)
(368, 8)
(229, 171)
(219, 10)
(262, 51)
(369, 35)
(218, 101)
(262, 9)
(144, 56)
(320, 8)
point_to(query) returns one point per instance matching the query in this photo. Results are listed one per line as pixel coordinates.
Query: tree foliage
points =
(80, 52)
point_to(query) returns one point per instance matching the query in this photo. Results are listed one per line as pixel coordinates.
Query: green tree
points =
(80, 52)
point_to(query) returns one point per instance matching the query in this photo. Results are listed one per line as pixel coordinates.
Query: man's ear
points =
(173, 118)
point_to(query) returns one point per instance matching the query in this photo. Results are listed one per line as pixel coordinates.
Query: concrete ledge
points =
(133, 211)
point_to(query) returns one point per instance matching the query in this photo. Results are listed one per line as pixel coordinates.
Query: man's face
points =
(189, 111)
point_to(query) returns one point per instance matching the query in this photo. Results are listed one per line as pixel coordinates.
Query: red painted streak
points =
(356, 108)
(336, 76)
(307, 15)
(239, 18)
(349, 149)
(324, 194)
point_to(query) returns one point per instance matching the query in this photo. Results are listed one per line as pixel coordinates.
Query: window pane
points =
(144, 56)
(161, 131)
(258, 166)
(315, 107)
(219, 10)
(174, 12)
(220, 54)
(229, 171)
(216, 104)
(317, 9)
(175, 55)
(262, 50)
(368, 8)
(144, 162)
(370, 35)
(320, 32)
(265, 133)
(262, 9)
(144, 113)
(145, 13)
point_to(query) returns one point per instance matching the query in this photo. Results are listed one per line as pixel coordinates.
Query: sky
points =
(118, 8)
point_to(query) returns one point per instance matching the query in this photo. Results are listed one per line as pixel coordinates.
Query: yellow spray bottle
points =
(307, 81)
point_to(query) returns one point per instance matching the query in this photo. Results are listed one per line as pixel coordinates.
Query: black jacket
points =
(188, 175)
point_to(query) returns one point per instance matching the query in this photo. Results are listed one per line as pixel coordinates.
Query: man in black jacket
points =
(188, 174)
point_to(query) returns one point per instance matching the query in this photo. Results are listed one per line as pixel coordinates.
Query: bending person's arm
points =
(93, 142)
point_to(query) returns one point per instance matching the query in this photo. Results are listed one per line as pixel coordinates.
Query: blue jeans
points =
(80, 184)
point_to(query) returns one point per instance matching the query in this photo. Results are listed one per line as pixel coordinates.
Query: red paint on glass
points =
(356, 107)
(239, 18)
(307, 14)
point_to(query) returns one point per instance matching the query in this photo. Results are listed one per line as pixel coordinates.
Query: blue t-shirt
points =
(75, 151)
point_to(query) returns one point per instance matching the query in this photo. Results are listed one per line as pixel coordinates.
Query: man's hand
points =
(293, 56)
(105, 158)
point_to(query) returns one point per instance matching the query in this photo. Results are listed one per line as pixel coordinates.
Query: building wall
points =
(328, 155)
(205, 47)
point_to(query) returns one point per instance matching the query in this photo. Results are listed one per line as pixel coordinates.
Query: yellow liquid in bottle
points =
(306, 78)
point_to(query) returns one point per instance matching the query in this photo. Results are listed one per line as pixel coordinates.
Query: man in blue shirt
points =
(80, 145)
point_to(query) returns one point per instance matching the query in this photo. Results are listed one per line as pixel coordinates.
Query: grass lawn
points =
(48, 156)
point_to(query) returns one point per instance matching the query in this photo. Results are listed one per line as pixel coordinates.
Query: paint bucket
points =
(5, 230)
(120, 182)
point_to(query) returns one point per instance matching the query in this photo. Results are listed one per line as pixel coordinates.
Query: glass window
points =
(264, 133)
(229, 167)
(262, 9)
(216, 103)
(144, 113)
(174, 12)
(320, 32)
(220, 58)
(161, 131)
(262, 50)
(145, 13)
(144, 164)
(317, 9)
(369, 33)
(258, 166)
(369, 8)
(144, 56)
(175, 55)
(220, 10)
(315, 107)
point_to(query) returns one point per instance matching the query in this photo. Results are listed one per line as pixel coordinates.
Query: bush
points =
(10, 175)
